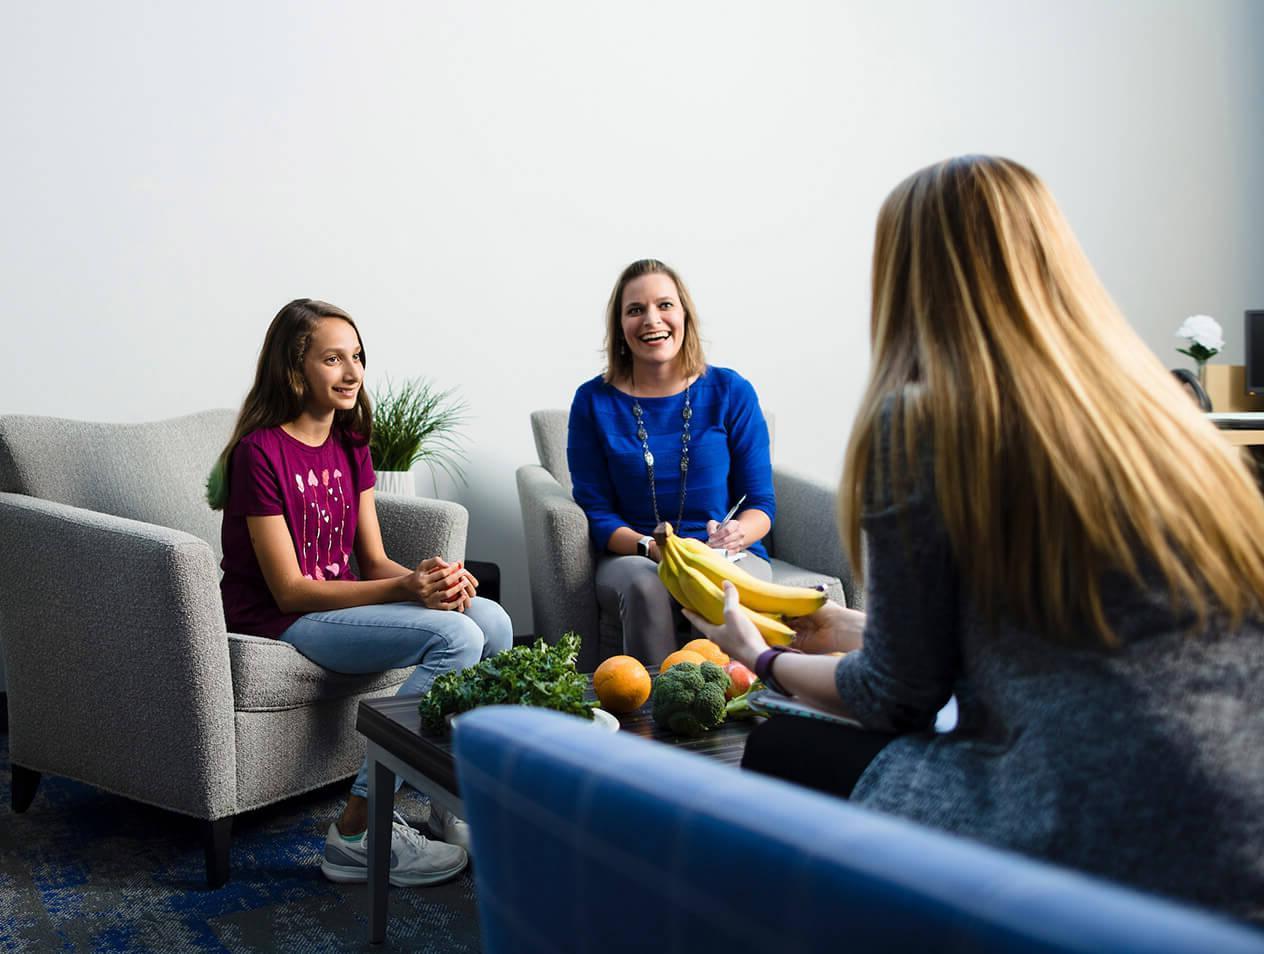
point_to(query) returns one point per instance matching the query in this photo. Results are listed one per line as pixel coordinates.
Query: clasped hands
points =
(438, 584)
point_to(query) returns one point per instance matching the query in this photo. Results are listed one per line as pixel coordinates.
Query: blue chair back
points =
(590, 842)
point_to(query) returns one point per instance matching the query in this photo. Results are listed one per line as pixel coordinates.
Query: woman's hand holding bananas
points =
(694, 575)
(831, 629)
(735, 633)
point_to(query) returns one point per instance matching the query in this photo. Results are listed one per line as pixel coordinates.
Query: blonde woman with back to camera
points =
(1055, 535)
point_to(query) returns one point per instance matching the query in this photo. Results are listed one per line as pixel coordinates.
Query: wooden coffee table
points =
(396, 746)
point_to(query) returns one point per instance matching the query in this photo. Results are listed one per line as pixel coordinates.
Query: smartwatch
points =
(643, 546)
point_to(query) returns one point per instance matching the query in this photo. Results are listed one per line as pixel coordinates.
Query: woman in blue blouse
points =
(663, 436)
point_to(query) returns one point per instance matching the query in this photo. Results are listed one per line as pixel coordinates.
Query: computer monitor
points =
(1255, 352)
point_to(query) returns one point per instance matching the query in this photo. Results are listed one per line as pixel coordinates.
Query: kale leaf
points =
(539, 675)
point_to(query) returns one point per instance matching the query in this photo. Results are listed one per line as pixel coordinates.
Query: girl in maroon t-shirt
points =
(296, 486)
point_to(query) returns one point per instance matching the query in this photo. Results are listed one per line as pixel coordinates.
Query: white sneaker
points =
(446, 826)
(415, 859)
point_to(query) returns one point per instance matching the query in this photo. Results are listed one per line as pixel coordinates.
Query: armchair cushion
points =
(153, 472)
(791, 575)
(549, 427)
(269, 674)
(807, 534)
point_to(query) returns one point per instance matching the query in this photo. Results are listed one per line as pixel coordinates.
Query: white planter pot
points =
(398, 482)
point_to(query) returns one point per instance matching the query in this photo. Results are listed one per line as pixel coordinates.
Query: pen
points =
(729, 516)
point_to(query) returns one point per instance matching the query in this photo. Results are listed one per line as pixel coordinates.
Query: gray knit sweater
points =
(1144, 765)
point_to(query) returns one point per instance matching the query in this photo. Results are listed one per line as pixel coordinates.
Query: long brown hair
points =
(279, 392)
(618, 358)
(1063, 450)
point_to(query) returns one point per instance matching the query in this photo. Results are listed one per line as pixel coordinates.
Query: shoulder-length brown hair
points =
(618, 358)
(279, 392)
(1063, 450)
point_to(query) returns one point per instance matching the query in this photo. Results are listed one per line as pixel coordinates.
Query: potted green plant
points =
(415, 422)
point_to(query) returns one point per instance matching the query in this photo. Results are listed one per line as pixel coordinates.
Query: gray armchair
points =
(804, 545)
(120, 671)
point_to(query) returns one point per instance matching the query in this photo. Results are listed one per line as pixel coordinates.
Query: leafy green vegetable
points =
(539, 675)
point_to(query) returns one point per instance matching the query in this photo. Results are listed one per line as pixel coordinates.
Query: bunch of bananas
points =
(694, 575)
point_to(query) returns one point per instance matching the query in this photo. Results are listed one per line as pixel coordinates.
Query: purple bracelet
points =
(763, 667)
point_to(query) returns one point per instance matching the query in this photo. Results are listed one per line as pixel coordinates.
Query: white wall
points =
(468, 178)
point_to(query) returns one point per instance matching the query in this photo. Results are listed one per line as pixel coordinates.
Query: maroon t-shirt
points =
(317, 489)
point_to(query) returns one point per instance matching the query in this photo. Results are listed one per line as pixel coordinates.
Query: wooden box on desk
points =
(1226, 386)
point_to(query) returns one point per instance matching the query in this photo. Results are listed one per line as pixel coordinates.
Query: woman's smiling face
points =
(653, 319)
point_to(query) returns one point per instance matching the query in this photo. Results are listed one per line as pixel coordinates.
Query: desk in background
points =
(1242, 428)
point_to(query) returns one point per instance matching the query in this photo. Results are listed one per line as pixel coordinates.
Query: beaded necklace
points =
(685, 414)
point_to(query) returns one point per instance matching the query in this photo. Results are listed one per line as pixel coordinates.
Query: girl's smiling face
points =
(333, 367)
(653, 319)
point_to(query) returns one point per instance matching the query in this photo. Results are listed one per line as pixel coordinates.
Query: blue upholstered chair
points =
(590, 842)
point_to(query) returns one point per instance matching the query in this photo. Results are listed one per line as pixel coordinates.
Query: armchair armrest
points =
(117, 655)
(806, 532)
(559, 561)
(416, 528)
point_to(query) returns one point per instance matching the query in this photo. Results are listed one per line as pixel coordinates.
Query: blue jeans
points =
(366, 639)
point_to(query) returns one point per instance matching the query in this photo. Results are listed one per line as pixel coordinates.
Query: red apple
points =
(740, 678)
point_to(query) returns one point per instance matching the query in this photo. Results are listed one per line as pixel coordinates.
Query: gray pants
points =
(652, 621)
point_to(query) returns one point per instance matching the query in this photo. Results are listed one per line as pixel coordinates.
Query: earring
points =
(623, 348)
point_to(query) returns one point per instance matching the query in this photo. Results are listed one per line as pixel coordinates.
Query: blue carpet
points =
(83, 870)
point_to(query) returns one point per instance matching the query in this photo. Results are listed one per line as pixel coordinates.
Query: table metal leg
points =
(381, 804)
(383, 768)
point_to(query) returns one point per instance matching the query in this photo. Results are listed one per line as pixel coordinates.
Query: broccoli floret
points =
(713, 673)
(688, 699)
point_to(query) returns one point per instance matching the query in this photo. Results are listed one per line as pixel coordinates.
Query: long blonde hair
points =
(1062, 449)
(618, 359)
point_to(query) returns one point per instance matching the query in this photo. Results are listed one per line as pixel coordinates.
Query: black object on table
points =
(488, 576)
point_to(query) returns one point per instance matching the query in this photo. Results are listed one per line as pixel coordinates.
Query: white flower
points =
(1202, 330)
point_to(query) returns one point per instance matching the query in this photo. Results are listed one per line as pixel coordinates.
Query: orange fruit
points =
(681, 655)
(708, 650)
(622, 684)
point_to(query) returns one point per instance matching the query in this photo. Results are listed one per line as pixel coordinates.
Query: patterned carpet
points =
(82, 870)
